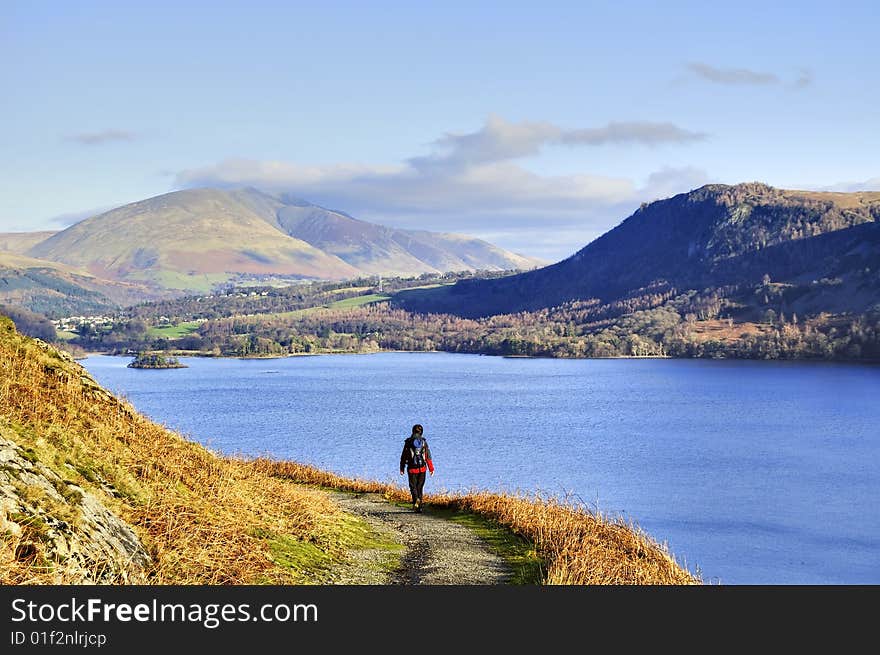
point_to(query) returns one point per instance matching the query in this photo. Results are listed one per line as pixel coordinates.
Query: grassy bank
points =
(578, 546)
(206, 519)
(202, 518)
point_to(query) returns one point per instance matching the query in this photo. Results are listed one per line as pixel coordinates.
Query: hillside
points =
(713, 237)
(56, 289)
(383, 250)
(93, 492)
(195, 239)
(21, 242)
(186, 240)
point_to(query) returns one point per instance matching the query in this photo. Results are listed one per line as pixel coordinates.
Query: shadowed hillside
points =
(712, 237)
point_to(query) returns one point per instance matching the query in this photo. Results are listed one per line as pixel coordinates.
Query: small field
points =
(357, 301)
(345, 303)
(173, 331)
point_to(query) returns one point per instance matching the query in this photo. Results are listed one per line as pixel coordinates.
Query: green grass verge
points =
(312, 563)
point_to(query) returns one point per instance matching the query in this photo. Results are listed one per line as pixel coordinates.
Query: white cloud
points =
(471, 184)
(670, 181)
(872, 184)
(500, 140)
(640, 132)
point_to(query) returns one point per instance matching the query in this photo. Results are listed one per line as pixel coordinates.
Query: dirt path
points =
(438, 551)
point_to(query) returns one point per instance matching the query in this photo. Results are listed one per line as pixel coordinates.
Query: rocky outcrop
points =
(63, 527)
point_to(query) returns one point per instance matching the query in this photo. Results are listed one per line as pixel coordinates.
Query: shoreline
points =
(868, 362)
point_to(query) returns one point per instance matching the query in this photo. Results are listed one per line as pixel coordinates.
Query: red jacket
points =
(407, 455)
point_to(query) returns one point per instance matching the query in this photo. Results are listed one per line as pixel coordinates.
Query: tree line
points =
(673, 329)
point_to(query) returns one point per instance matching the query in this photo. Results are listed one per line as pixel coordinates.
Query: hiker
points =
(416, 459)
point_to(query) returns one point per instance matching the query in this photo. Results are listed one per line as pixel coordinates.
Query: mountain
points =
(187, 240)
(711, 237)
(195, 239)
(376, 249)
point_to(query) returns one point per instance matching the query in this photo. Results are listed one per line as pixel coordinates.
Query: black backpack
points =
(417, 452)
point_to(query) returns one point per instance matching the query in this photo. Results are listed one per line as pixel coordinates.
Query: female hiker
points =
(416, 459)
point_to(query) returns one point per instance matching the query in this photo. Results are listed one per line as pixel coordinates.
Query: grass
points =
(358, 301)
(195, 282)
(345, 303)
(517, 552)
(173, 331)
(204, 519)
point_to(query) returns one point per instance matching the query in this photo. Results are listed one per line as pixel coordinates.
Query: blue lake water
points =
(750, 472)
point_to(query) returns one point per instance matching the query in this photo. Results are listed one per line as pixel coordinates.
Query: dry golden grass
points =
(578, 546)
(849, 200)
(204, 519)
(207, 519)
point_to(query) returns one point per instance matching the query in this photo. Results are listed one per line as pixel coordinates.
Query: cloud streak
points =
(872, 184)
(731, 75)
(101, 138)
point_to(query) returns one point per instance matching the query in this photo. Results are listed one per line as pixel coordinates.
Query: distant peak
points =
(249, 191)
(295, 201)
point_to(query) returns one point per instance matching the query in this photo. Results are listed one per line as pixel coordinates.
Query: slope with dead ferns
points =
(204, 519)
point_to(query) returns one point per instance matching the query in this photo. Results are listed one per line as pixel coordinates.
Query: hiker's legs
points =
(420, 485)
(414, 486)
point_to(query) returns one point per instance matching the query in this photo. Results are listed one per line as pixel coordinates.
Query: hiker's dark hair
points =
(417, 429)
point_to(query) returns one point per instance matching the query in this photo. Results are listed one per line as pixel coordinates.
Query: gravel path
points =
(438, 551)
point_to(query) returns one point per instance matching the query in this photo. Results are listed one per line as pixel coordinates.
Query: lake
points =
(751, 472)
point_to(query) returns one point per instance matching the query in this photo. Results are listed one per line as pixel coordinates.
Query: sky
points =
(535, 125)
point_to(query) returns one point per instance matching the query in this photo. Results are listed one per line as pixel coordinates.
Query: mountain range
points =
(823, 247)
(193, 240)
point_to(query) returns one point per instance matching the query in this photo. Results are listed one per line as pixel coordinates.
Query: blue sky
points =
(537, 126)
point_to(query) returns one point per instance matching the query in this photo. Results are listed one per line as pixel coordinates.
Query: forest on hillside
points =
(730, 322)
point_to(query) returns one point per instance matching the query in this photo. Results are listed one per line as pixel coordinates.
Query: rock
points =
(73, 531)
